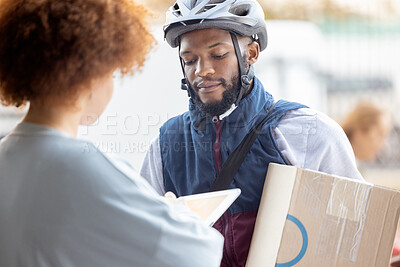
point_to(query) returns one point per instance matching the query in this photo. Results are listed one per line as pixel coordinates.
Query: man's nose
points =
(204, 68)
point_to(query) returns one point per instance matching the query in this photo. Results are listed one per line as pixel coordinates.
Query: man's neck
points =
(233, 107)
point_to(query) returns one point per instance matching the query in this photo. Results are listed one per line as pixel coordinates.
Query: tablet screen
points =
(210, 206)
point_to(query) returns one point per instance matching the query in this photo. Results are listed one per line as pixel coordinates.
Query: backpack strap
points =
(235, 160)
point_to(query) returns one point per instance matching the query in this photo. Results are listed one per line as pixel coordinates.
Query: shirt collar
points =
(244, 113)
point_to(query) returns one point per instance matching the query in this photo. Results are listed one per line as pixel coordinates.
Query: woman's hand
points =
(395, 261)
(171, 198)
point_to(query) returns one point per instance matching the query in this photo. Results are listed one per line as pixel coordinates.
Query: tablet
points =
(210, 206)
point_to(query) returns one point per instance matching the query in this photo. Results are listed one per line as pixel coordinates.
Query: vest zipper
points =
(217, 143)
(228, 243)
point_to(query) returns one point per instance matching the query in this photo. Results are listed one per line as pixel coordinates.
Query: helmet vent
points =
(211, 4)
(205, 8)
(242, 10)
(176, 11)
(216, 1)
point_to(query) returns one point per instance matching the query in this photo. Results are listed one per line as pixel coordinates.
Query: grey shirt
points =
(64, 203)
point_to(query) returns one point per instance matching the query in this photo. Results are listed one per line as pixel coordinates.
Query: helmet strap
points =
(245, 78)
(184, 82)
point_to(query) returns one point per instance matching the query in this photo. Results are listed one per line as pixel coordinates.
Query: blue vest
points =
(186, 143)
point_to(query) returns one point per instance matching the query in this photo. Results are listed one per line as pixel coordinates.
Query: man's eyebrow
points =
(209, 47)
(214, 45)
(185, 52)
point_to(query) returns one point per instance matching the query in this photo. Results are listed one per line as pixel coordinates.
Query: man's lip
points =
(207, 86)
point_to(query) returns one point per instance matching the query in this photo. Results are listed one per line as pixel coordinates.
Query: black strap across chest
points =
(235, 160)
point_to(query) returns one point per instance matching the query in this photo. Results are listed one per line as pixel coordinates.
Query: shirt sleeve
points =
(310, 139)
(123, 222)
(151, 169)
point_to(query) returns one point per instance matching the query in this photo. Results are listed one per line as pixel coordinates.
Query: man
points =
(219, 41)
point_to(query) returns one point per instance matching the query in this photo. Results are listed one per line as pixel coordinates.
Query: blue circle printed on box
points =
(303, 247)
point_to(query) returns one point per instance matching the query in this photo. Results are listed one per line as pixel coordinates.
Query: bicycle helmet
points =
(243, 17)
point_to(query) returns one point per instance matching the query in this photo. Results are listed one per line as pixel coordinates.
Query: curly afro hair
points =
(50, 50)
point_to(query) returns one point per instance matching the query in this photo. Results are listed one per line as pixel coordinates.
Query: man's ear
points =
(252, 52)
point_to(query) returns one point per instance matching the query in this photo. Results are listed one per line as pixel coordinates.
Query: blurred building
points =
(290, 67)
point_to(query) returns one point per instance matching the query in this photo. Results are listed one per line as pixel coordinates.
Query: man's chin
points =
(211, 102)
(215, 108)
(218, 104)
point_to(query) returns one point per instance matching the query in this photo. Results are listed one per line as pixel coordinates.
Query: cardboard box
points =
(312, 219)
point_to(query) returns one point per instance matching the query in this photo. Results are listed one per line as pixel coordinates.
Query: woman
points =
(367, 127)
(62, 202)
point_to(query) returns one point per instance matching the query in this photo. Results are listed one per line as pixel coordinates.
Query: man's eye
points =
(189, 62)
(220, 56)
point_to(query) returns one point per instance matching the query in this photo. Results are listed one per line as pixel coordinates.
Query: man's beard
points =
(219, 107)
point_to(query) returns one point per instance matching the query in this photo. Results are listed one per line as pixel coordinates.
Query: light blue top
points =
(64, 203)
